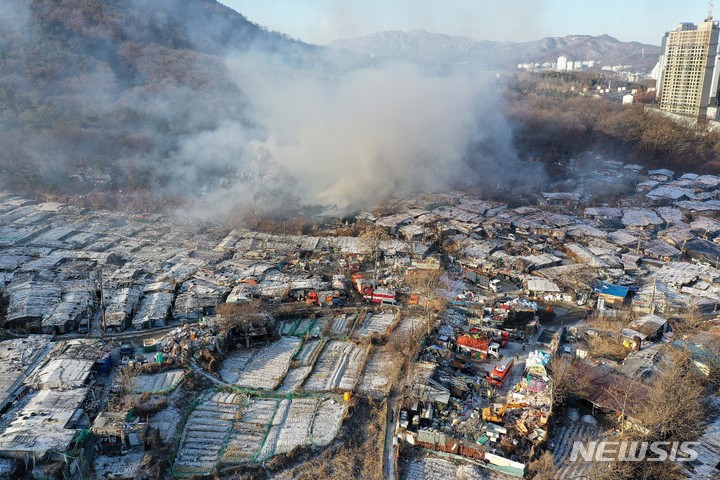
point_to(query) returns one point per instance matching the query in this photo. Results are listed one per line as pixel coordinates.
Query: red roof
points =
(470, 342)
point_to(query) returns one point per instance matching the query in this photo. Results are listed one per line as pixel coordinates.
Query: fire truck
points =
(323, 298)
(501, 372)
(379, 295)
(370, 294)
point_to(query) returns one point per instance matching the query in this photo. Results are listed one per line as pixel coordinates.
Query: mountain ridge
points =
(437, 48)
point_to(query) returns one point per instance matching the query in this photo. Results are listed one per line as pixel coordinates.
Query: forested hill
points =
(100, 86)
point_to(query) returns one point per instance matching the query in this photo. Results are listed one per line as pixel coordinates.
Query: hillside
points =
(96, 89)
(426, 47)
(134, 104)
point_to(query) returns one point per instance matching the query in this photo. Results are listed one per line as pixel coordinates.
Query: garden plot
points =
(328, 418)
(376, 379)
(298, 327)
(166, 422)
(294, 378)
(406, 327)
(338, 367)
(565, 438)
(248, 434)
(158, 383)
(268, 427)
(287, 327)
(302, 422)
(295, 430)
(376, 324)
(129, 465)
(434, 468)
(304, 361)
(234, 364)
(206, 432)
(266, 368)
(267, 450)
(342, 324)
(303, 327)
(309, 352)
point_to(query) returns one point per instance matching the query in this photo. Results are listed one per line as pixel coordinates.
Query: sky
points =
(321, 21)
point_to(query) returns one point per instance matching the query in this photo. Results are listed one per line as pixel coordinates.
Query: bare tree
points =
(242, 317)
(427, 283)
(688, 321)
(125, 382)
(675, 408)
(607, 346)
(625, 397)
(371, 240)
(543, 468)
(578, 278)
(564, 379)
(406, 345)
(608, 342)
(618, 470)
(670, 409)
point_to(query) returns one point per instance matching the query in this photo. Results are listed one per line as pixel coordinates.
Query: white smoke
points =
(280, 125)
(351, 139)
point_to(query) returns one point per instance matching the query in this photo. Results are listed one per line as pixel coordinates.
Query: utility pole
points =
(102, 306)
(652, 299)
(717, 264)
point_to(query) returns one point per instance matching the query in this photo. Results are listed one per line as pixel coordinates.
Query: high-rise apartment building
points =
(688, 83)
(562, 64)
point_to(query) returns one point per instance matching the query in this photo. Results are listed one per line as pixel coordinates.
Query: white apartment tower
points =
(688, 81)
(562, 64)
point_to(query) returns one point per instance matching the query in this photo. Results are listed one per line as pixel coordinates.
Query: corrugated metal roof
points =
(612, 290)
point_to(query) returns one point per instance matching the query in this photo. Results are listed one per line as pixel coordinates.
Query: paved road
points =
(393, 409)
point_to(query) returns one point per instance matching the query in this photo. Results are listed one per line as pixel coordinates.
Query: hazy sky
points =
(320, 21)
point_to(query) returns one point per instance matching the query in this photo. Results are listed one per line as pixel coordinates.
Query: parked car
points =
(83, 327)
(467, 368)
(126, 349)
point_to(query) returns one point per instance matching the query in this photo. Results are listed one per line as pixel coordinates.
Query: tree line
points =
(558, 128)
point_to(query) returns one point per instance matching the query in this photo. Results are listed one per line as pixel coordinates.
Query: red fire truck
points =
(501, 372)
(379, 295)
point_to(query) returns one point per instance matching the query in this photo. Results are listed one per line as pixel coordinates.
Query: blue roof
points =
(612, 290)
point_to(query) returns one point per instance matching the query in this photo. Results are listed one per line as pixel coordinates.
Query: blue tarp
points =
(612, 290)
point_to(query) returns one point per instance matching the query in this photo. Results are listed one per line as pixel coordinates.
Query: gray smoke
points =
(167, 106)
(14, 17)
(352, 139)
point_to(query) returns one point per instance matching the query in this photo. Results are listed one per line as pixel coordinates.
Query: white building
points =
(688, 72)
(562, 64)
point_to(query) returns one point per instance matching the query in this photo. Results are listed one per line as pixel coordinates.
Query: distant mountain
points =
(425, 47)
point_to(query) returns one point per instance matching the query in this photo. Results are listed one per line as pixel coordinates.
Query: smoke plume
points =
(352, 139)
(203, 105)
